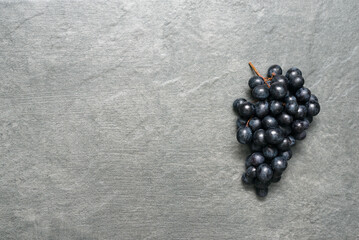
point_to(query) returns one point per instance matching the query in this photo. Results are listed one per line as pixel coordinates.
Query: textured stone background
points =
(116, 119)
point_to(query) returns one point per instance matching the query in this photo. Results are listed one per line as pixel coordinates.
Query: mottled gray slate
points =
(116, 119)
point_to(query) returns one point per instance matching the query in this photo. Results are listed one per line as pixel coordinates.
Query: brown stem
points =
(255, 70)
(248, 121)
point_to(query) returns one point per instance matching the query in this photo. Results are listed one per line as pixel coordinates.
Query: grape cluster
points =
(280, 115)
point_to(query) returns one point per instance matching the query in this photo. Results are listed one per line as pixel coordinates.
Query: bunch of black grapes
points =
(271, 125)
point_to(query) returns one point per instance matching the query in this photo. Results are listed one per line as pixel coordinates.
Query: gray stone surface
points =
(116, 119)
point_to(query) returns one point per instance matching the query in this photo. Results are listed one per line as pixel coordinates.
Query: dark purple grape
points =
(277, 90)
(260, 92)
(256, 159)
(274, 69)
(259, 138)
(306, 124)
(251, 172)
(300, 136)
(274, 136)
(284, 145)
(244, 135)
(249, 175)
(285, 119)
(281, 79)
(301, 112)
(255, 81)
(261, 109)
(295, 83)
(241, 122)
(269, 122)
(303, 94)
(245, 180)
(279, 164)
(313, 108)
(276, 107)
(261, 185)
(276, 179)
(255, 124)
(291, 108)
(264, 173)
(238, 102)
(298, 126)
(290, 99)
(293, 72)
(246, 110)
(270, 152)
(313, 98)
(262, 192)
(287, 154)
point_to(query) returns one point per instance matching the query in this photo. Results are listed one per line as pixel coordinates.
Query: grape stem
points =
(248, 121)
(259, 75)
(255, 70)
